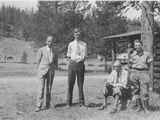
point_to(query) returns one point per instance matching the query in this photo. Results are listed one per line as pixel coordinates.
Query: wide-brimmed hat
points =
(138, 41)
(117, 63)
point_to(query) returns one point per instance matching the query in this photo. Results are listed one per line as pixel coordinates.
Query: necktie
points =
(50, 55)
(77, 51)
(118, 75)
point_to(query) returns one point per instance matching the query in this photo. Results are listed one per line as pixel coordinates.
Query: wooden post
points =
(113, 52)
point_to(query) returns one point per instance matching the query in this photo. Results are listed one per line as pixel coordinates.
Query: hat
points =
(117, 63)
(138, 41)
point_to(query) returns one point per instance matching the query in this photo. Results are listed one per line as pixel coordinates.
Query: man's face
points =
(138, 46)
(76, 34)
(117, 68)
(49, 41)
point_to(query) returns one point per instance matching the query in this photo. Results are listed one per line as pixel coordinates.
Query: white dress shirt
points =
(77, 50)
(114, 80)
(50, 54)
(141, 61)
(46, 60)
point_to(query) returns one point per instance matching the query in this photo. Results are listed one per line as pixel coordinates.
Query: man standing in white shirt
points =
(77, 53)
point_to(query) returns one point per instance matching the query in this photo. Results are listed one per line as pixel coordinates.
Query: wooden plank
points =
(157, 58)
(156, 71)
(157, 54)
(157, 47)
(157, 44)
(156, 63)
(156, 75)
(157, 51)
(156, 85)
(156, 68)
(156, 79)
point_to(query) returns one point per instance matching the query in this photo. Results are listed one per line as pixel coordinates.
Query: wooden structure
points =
(122, 41)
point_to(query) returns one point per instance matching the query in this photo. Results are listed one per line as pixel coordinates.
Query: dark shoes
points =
(102, 107)
(38, 109)
(68, 106)
(114, 110)
(139, 109)
(46, 108)
(81, 105)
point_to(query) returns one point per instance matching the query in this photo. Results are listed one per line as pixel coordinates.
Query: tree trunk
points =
(147, 23)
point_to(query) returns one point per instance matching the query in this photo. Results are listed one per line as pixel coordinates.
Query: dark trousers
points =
(119, 95)
(75, 70)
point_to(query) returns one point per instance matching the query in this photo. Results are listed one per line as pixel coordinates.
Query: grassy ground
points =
(18, 90)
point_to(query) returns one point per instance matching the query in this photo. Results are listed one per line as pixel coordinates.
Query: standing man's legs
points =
(49, 82)
(134, 82)
(144, 92)
(71, 82)
(80, 82)
(107, 91)
(40, 97)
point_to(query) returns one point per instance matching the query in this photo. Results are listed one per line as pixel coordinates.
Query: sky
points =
(29, 4)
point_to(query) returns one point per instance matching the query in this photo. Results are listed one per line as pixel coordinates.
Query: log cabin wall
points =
(122, 40)
(156, 64)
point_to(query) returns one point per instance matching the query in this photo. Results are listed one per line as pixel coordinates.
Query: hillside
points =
(11, 47)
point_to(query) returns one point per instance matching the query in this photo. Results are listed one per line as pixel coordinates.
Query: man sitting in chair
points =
(115, 86)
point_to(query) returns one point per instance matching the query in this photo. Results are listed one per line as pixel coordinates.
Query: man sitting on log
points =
(115, 86)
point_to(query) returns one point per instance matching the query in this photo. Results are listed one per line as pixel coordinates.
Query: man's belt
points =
(72, 61)
(140, 69)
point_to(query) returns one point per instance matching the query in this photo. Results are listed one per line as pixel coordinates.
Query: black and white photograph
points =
(79, 60)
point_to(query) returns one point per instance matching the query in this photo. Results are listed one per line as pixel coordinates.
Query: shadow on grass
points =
(93, 105)
(64, 104)
(154, 108)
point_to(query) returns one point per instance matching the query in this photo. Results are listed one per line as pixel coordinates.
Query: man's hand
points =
(78, 59)
(106, 84)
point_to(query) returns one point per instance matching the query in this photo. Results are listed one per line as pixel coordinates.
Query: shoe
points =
(68, 106)
(45, 108)
(38, 109)
(102, 107)
(146, 106)
(81, 105)
(113, 111)
(139, 109)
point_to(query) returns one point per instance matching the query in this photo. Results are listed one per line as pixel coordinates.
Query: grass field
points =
(18, 90)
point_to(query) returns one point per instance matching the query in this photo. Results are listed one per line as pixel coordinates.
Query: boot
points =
(139, 105)
(146, 106)
(115, 108)
(104, 104)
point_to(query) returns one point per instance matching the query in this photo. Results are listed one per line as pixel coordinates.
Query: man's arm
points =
(39, 56)
(84, 54)
(149, 60)
(69, 52)
(56, 60)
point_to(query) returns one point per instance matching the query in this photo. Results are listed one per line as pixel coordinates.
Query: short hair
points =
(138, 41)
(76, 30)
(49, 36)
